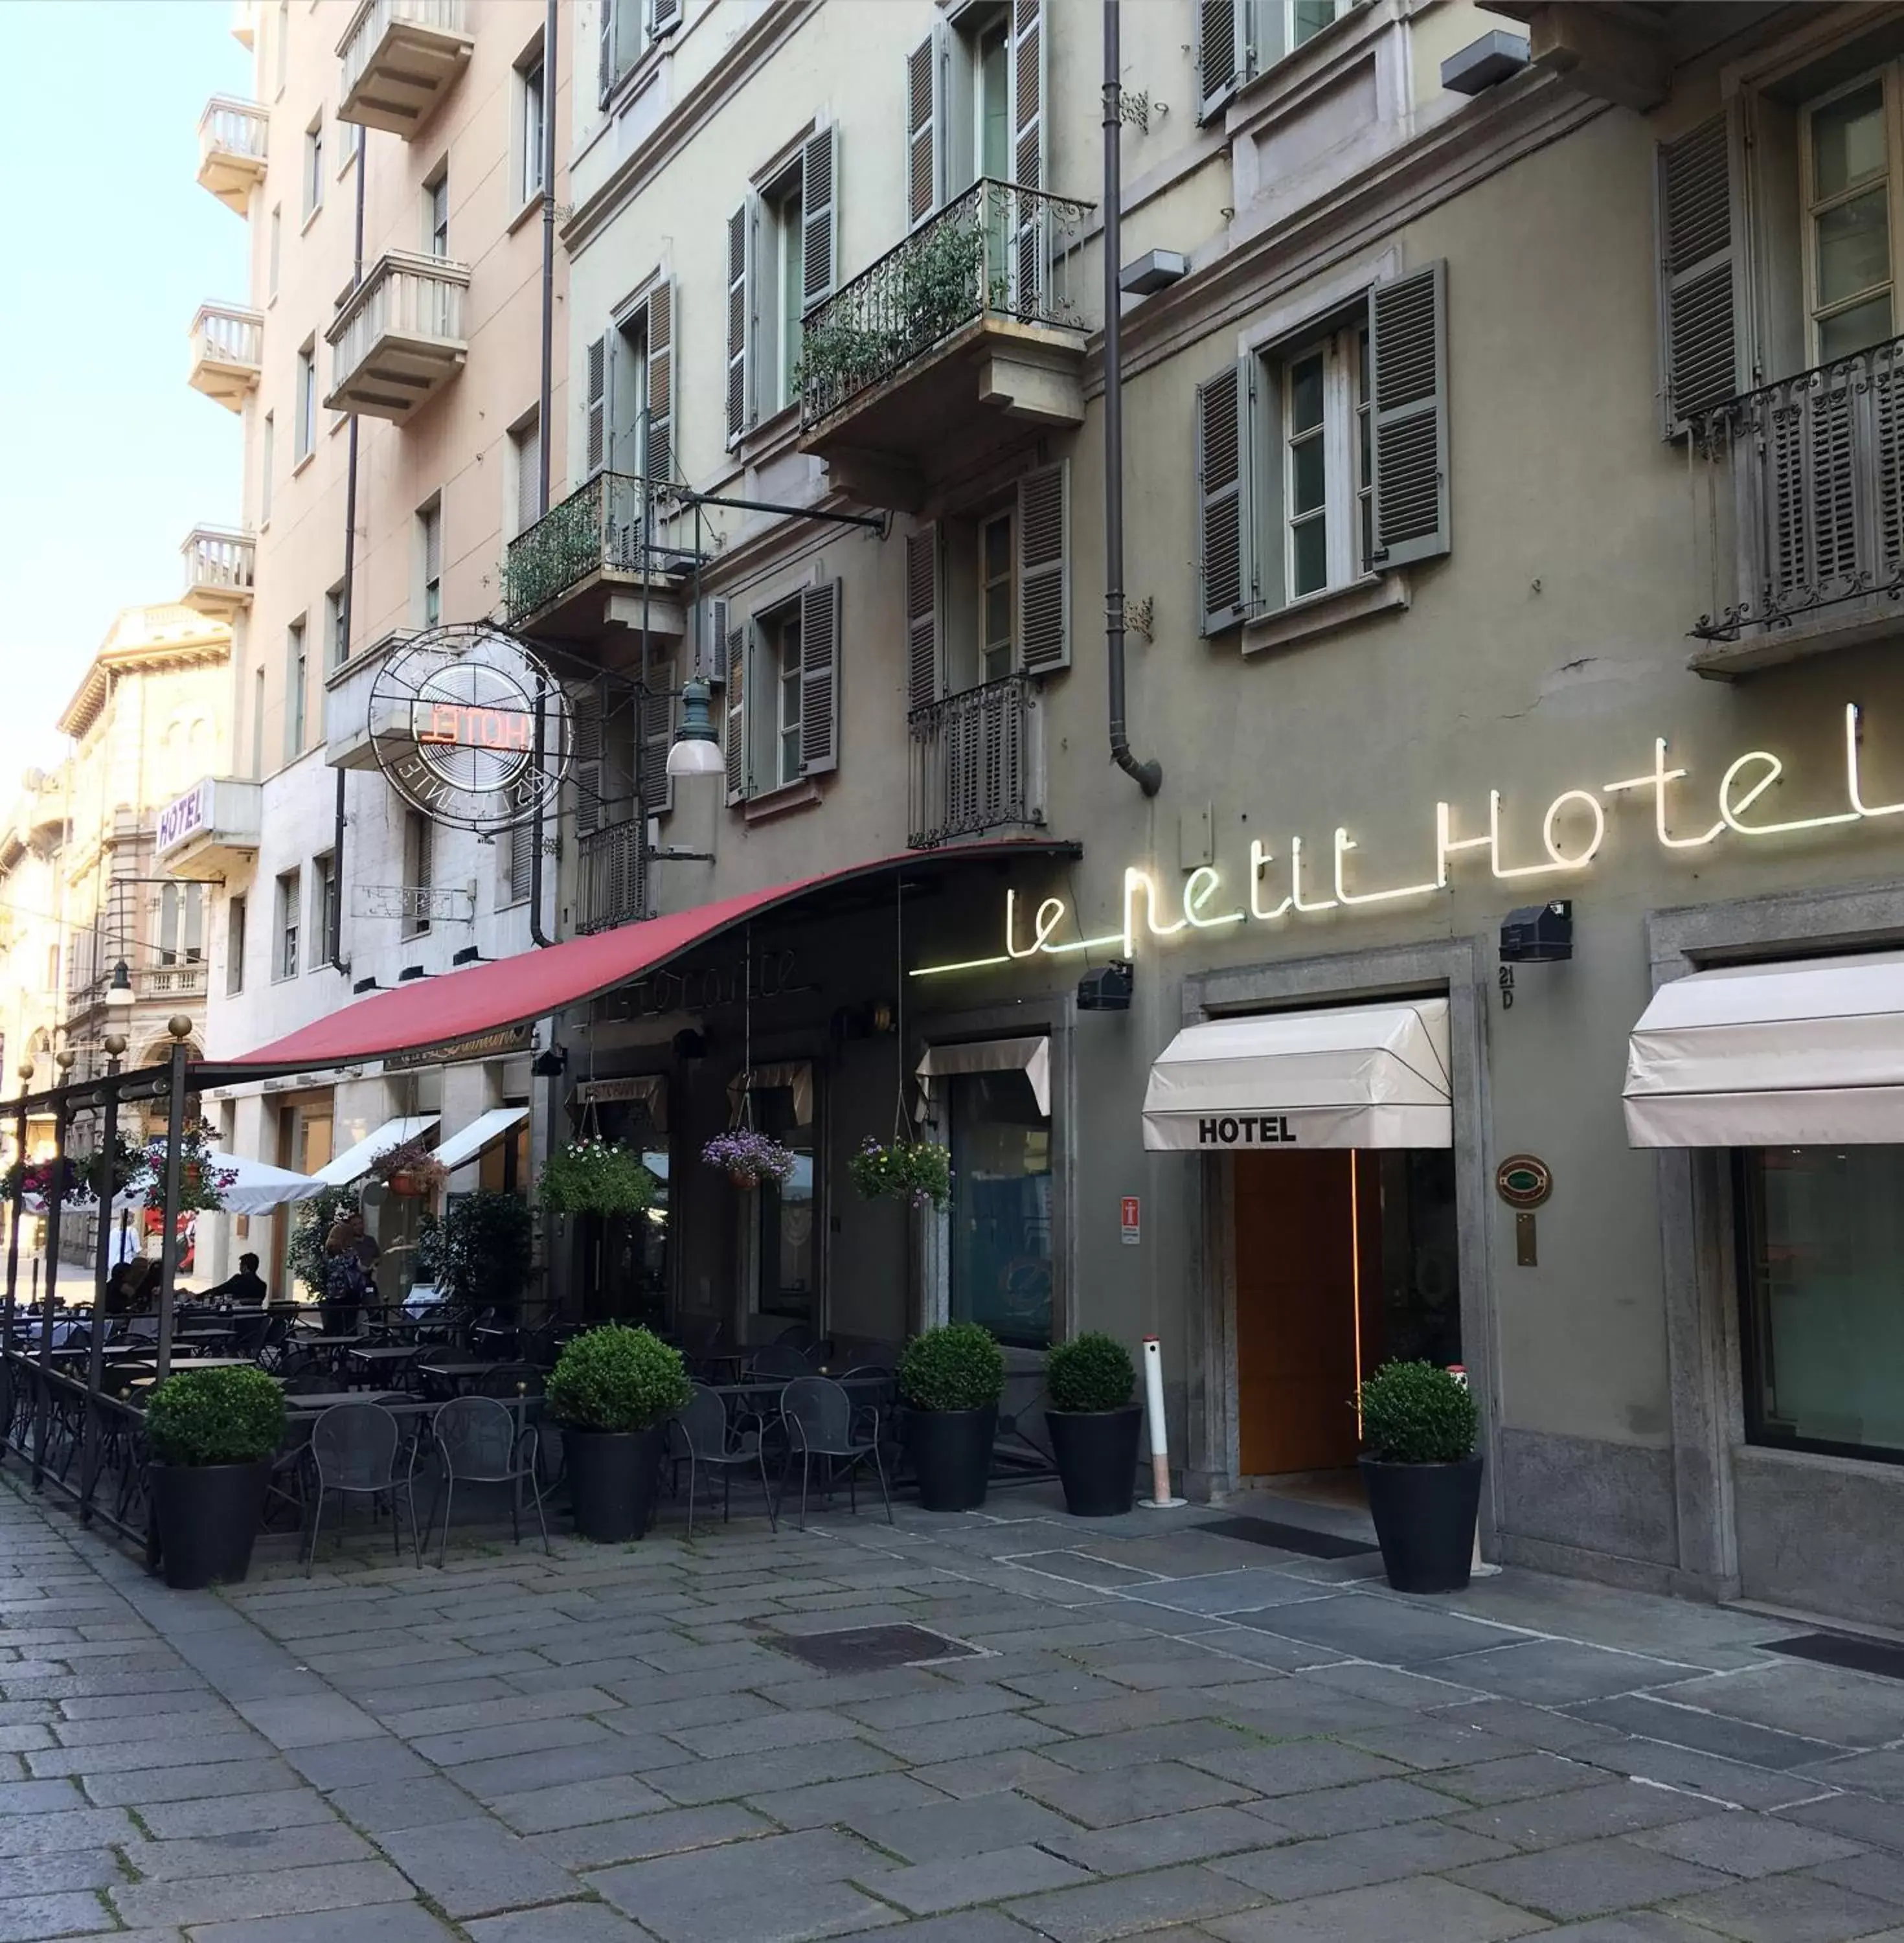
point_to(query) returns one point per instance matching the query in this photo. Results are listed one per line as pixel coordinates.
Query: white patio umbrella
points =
(258, 1189)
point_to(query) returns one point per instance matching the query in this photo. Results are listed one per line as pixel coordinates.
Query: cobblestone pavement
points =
(1167, 1731)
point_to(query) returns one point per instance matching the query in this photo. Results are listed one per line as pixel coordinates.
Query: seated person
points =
(247, 1287)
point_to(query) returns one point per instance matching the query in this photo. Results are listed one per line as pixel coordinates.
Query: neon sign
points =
(463, 725)
(1573, 831)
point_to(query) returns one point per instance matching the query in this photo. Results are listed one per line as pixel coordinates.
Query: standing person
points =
(344, 1282)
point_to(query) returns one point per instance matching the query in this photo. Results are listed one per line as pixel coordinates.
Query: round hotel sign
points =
(1523, 1182)
(454, 722)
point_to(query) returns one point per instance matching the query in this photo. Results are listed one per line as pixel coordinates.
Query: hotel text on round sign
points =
(1523, 1181)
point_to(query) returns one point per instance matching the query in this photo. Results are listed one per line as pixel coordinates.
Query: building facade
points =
(386, 361)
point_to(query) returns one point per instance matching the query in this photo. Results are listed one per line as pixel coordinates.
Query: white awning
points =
(1360, 1076)
(354, 1162)
(472, 1142)
(1031, 1057)
(1771, 1055)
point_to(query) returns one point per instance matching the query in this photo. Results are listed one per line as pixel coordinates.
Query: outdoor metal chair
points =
(354, 1449)
(799, 1336)
(779, 1359)
(249, 1334)
(477, 1442)
(715, 1443)
(821, 1421)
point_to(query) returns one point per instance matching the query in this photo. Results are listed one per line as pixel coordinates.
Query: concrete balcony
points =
(398, 338)
(232, 135)
(227, 352)
(963, 340)
(354, 715)
(182, 980)
(218, 566)
(400, 58)
(978, 763)
(211, 831)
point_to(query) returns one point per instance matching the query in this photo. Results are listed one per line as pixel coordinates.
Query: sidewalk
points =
(1169, 1730)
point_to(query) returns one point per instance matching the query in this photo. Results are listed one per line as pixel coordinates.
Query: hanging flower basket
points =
(35, 1178)
(596, 1176)
(914, 1171)
(201, 1185)
(409, 1168)
(750, 1159)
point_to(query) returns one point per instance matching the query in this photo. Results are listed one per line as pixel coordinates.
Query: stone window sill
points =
(1315, 614)
(790, 797)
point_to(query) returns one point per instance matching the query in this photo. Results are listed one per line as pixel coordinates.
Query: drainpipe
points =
(335, 942)
(543, 429)
(1147, 775)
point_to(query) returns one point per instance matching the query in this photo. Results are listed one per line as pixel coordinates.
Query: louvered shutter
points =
(819, 179)
(1044, 541)
(1407, 382)
(432, 549)
(529, 476)
(1027, 90)
(738, 782)
(605, 55)
(585, 743)
(707, 649)
(922, 677)
(1225, 530)
(660, 380)
(657, 734)
(819, 678)
(1697, 328)
(595, 441)
(1221, 59)
(740, 320)
(522, 850)
(664, 15)
(924, 188)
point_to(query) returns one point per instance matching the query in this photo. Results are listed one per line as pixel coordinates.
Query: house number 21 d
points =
(1505, 974)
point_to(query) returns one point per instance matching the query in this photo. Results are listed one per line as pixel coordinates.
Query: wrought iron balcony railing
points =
(998, 250)
(1816, 507)
(617, 521)
(612, 877)
(977, 763)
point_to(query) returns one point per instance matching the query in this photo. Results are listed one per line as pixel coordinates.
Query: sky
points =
(107, 457)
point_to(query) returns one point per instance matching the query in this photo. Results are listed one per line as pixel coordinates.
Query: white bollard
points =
(1160, 1500)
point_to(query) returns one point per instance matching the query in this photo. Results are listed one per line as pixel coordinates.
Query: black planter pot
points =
(207, 1516)
(1096, 1451)
(612, 1478)
(951, 1452)
(1424, 1518)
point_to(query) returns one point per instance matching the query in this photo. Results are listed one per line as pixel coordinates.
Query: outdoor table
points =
(387, 1357)
(314, 1401)
(455, 1372)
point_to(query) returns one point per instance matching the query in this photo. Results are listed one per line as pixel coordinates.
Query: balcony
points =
(161, 982)
(218, 566)
(618, 553)
(356, 714)
(211, 831)
(398, 339)
(978, 763)
(611, 876)
(227, 350)
(400, 57)
(1807, 481)
(963, 338)
(232, 149)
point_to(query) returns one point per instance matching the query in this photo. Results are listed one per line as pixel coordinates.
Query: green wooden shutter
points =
(1408, 383)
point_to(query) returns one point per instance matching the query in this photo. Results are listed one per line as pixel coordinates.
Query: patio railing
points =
(90, 1448)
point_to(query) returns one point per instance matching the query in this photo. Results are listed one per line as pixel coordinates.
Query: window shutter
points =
(707, 649)
(922, 617)
(1044, 540)
(664, 15)
(1027, 90)
(819, 179)
(1407, 379)
(596, 442)
(1225, 564)
(1698, 352)
(740, 320)
(605, 61)
(1220, 53)
(660, 380)
(432, 551)
(819, 678)
(585, 745)
(522, 845)
(657, 733)
(529, 476)
(738, 781)
(922, 184)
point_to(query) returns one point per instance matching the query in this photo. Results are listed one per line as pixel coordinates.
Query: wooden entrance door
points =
(1296, 1311)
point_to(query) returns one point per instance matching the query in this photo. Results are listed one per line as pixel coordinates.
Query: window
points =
(974, 94)
(307, 399)
(783, 695)
(267, 455)
(629, 412)
(297, 681)
(628, 28)
(776, 762)
(1307, 377)
(995, 585)
(531, 132)
(182, 923)
(785, 1241)
(518, 860)
(526, 449)
(323, 907)
(418, 833)
(336, 630)
(429, 546)
(1239, 39)
(257, 724)
(1849, 155)
(1000, 1216)
(314, 168)
(234, 947)
(1307, 18)
(288, 893)
(784, 273)
(436, 213)
(274, 252)
(1821, 1263)
(782, 260)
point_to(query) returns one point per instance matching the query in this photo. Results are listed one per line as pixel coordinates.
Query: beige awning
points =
(797, 1075)
(354, 1162)
(472, 1142)
(1354, 1076)
(1030, 1056)
(650, 1088)
(1771, 1055)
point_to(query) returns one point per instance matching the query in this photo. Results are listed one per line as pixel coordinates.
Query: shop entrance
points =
(1345, 1258)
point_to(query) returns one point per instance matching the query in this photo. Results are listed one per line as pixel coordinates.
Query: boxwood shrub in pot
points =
(1423, 1474)
(951, 1379)
(1093, 1424)
(211, 1435)
(613, 1391)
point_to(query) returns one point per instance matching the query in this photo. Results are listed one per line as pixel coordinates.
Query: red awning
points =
(489, 998)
